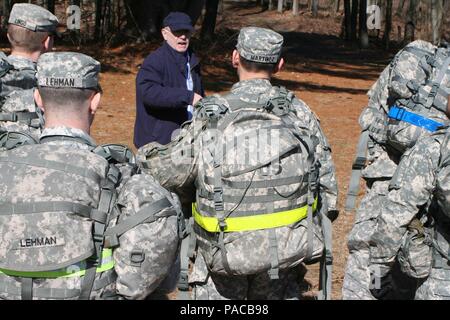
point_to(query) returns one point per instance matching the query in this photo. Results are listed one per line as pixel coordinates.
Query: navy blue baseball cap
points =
(178, 21)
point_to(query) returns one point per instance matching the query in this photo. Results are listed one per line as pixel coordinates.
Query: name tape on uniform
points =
(59, 82)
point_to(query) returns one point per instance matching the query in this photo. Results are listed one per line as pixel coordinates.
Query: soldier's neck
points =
(246, 75)
(30, 56)
(74, 124)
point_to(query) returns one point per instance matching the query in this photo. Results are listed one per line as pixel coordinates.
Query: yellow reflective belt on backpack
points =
(70, 271)
(255, 222)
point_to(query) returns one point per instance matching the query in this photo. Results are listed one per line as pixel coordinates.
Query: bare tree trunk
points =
(6, 7)
(445, 28)
(209, 22)
(270, 5)
(423, 19)
(363, 35)
(280, 6)
(330, 5)
(295, 7)
(98, 19)
(51, 6)
(348, 21)
(388, 24)
(315, 8)
(401, 5)
(411, 22)
(194, 10)
(436, 20)
(354, 19)
(337, 6)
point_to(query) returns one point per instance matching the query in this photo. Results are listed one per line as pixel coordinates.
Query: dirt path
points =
(330, 77)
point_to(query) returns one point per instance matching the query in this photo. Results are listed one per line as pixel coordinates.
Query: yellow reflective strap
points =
(74, 270)
(256, 222)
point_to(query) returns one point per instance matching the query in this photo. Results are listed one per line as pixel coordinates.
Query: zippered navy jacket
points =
(161, 94)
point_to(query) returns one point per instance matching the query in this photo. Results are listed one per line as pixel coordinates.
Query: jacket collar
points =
(251, 85)
(58, 134)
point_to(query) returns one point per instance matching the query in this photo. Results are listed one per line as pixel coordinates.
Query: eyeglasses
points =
(179, 33)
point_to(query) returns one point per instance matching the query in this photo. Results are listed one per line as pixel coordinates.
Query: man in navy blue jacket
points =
(168, 84)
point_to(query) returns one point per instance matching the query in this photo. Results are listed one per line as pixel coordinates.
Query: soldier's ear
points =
(164, 33)
(279, 65)
(95, 102)
(235, 59)
(48, 43)
(38, 99)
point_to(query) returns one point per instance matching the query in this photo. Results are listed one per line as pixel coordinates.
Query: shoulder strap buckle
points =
(279, 105)
(115, 153)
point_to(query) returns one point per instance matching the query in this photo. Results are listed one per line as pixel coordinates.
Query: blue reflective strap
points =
(414, 119)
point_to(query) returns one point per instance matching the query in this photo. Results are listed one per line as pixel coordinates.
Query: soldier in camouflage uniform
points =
(377, 173)
(381, 164)
(417, 204)
(132, 224)
(31, 32)
(256, 58)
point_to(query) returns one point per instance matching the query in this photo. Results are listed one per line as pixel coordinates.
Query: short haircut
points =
(65, 99)
(24, 39)
(257, 66)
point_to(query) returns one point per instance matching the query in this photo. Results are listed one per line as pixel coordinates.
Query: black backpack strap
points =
(108, 198)
(115, 153)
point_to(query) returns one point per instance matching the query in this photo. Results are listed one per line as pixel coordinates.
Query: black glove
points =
(381, 287)
(332, 215)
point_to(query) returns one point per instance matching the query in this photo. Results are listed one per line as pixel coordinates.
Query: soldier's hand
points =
(197, 98)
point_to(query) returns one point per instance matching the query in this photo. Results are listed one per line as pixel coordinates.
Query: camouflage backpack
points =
(426, 242)
(419, 89)
(63, 210)
(256, 188)
(413, 93)
(18, 111)
(440, 243)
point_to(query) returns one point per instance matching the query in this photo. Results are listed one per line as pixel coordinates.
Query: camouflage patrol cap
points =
(33, 17)
(67, 70)
(259, 44)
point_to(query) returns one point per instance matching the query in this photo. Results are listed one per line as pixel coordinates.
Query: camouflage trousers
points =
(357, 281)
(436, 286)
(209, 286)
(357, 276)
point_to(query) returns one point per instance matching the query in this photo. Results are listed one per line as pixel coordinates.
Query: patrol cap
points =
(178, 21)
(33, 17)
(67, 70)
(259, 44)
